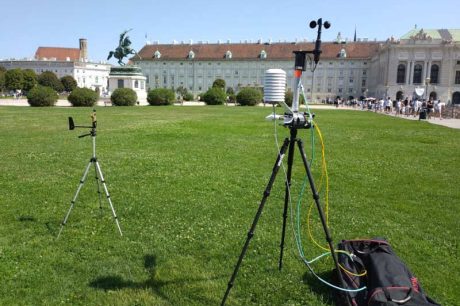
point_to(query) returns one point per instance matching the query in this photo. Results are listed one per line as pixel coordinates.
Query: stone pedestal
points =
(129, 77)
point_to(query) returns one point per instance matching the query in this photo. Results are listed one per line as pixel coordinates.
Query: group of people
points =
(402, 107)
(406, 107)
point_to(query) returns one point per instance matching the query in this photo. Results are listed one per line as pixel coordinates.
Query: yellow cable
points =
(345, 269)
(325, 174)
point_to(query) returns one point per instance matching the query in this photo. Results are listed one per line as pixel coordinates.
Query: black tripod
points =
(98, 174)
(288, 142)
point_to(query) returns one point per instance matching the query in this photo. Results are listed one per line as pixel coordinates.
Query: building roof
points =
(60, 54)
(434, 34)
(252, 51)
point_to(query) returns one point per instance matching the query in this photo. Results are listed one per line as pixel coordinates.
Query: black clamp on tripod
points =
(98, 173)
(294, 120)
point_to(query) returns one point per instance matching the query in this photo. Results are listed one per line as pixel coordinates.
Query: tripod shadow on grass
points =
(319, 287)
(115, 282)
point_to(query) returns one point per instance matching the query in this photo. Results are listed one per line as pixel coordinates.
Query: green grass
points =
(186, 183)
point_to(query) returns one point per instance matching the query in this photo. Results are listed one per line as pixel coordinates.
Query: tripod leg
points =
(82, 181)
(98, 188)
(256, 218)
(108, 196)
(321, 215)
(287, 195)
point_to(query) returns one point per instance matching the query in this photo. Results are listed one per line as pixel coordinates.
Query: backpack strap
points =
(403, 301)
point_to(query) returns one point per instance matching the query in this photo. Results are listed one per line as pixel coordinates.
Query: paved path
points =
(452, 123)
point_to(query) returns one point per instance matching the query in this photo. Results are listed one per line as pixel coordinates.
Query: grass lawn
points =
(186, 183)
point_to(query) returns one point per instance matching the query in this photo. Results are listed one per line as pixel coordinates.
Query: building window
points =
(364, 72)
(363, 83)
(97, 79)
(434, 74)
(457, 77)
(417, 74)
(263, 54)
(401, 74)
(121, 83)
(191, 55)
(157, 54)
(136, 84)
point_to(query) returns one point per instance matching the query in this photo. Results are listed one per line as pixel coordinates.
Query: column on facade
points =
(409, 72)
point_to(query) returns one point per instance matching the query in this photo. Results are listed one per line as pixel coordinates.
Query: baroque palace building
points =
(394, 68)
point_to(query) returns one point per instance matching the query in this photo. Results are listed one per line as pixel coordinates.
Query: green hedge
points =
(42, 96)
(83, 97)
(214, 96)
(123, 97)
(161, 96)
(249, 96)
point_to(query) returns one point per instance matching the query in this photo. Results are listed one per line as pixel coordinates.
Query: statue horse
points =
(123, 49)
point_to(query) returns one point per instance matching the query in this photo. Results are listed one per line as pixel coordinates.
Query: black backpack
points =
(388, 281)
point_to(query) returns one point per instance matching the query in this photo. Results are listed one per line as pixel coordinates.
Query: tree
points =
(214, 96)
(48, 78)
(181, 90)
(14, 79)
(161, 96)
(42, 96)
(249, 96)
(2, 80)
(219, 83)
(230, 91)
(69, 83)
(30, 79)
(83, 97)
(123, 97)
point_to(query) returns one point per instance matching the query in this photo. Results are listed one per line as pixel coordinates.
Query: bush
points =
(188, 97)
(123, 97)
(249, 96)
(214, 96)
(83, 97)
(161, 96)
(42, 96)
(69, 83)
(289, 96)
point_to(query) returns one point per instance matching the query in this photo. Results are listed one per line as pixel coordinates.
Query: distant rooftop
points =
(434, 34)
(249, 51)
(60, 54)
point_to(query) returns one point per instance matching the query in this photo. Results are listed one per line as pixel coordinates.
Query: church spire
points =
(354, 38)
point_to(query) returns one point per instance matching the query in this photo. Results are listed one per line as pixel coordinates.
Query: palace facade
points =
(394, 68)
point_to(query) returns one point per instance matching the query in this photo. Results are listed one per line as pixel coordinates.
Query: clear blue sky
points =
(28, 24)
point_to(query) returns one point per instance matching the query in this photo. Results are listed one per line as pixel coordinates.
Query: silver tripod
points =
(98, 172)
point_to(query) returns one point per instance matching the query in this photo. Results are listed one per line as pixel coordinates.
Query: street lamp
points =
(427, 82)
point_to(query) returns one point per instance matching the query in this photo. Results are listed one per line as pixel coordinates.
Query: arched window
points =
(434, 74)
(228, 54)
(417, 74)
(263, 54)
(401, 75)
(456, 97)
(191, 55)
(157, 54)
